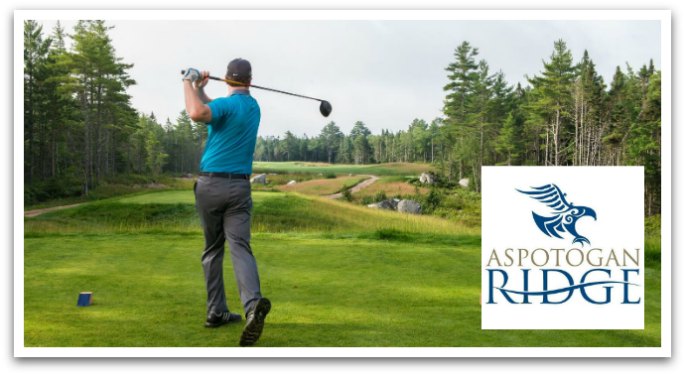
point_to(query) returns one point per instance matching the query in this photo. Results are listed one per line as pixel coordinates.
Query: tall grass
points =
(392, 186)
(653, 238)
(363, 218)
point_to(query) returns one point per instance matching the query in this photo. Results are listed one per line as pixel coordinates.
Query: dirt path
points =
(40, 211)
(358, 187)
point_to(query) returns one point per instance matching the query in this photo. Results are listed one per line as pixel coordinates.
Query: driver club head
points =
(325, 108)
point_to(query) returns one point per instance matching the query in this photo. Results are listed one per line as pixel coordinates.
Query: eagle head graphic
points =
(565, 215)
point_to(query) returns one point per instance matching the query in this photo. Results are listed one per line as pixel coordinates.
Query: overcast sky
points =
(384, 73)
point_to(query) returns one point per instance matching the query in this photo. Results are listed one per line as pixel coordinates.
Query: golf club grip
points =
(257, 87)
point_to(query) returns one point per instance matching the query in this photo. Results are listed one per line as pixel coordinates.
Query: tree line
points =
(566, 115)
(80, 128)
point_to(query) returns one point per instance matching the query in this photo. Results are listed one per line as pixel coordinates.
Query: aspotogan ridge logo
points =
(562, 280)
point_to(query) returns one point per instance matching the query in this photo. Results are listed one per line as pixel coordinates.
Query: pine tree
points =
(643, 140)
(101, 82)
(346, 150)
(330, 137)
(589, 103)
(553, 102)
(619, 106)
(63, 117)
(36, 50)
(510, 142)
(292, 147)
(463, 75)
(155, 156)
(360, 143)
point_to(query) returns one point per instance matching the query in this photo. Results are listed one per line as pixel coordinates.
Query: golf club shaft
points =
(258, 87)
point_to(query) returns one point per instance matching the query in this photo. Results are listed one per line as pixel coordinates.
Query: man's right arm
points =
(203, 96)
(194, 96)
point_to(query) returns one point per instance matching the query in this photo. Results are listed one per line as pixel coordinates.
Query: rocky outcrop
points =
(388, 204)
(409, 206)
(259, 179)
(427, 179)
(404, 205)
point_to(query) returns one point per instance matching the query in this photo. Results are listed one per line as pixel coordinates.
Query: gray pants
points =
(224, 207)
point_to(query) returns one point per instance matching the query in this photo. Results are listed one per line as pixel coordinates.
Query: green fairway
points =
(325, 186)
(338, 274)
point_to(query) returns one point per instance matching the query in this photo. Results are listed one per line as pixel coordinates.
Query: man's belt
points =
(234, 176)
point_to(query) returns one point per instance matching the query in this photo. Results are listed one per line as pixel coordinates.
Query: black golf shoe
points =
(255, 322)
(217, 320)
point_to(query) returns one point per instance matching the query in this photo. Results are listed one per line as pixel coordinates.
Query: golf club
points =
(325, 108)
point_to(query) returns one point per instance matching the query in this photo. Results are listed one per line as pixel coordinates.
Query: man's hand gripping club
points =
(194, 82)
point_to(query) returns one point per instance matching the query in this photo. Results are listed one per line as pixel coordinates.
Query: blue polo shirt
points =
(232, 134)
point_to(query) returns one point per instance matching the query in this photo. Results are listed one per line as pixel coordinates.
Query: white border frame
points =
(664, 16)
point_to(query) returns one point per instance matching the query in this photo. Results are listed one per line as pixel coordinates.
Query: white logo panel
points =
(562, 248)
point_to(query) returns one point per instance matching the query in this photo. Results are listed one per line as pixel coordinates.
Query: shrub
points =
(653, 226)
(41, 191)
(380, 196)
(347, 194)
(329, 175)
(391, 234)
(367, 200)
(431, 201)
(440, 180)
(460, 205)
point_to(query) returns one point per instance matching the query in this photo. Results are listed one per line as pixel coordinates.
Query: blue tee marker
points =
(85, 298)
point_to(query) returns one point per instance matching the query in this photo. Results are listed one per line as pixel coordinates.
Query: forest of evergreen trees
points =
(80, 127)
(567, 115)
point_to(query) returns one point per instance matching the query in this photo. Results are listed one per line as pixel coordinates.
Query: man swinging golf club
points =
(223, 193)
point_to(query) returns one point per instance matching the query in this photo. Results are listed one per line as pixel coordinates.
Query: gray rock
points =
(259, 179)
(409, 206)
(427, 179)
(291, 182)
(388, 204)
(464, 182)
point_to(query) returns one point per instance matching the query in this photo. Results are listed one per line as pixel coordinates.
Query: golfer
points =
(223, 194)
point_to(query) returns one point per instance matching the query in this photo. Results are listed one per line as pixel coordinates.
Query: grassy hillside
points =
(338, 274)
(108, 188)
(274, 212)
(391, 169)
(391, 186)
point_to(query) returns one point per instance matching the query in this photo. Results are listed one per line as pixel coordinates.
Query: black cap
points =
(239, 70)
